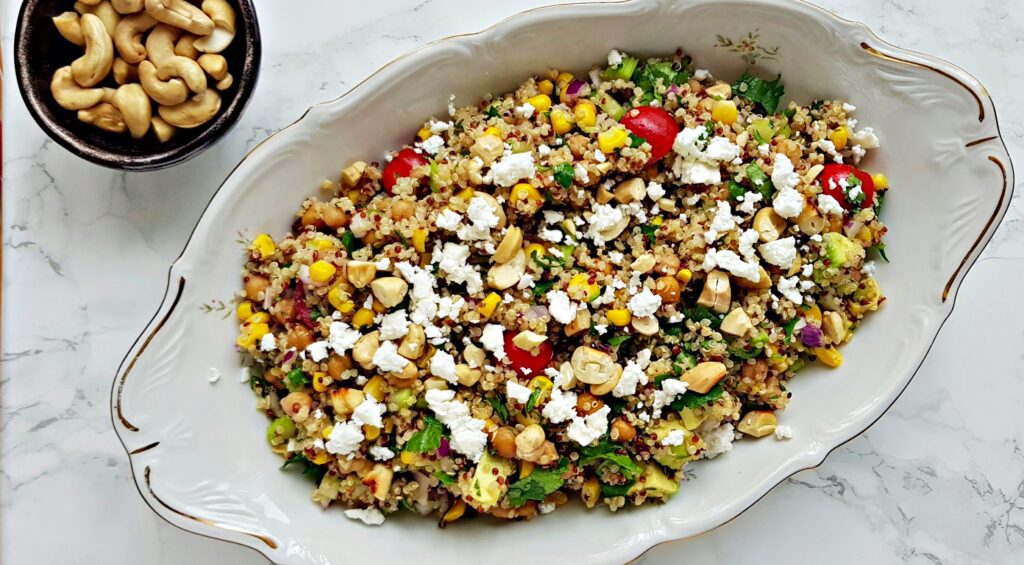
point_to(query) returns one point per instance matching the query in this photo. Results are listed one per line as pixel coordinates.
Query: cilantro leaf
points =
(736, 190)
(498, 403)
(538, 485)
(691, 399)
(534, 397)
(540, 289)
(445, 478)
(765, 93)
(789, 327)
(612, 491)
(350, 241)
(428, 439)
(492, 111)
(635, 140)
(618, 340)
(564, 174)
(309, 469)
(760, 180)
(880, 248)
(699, 313)
(650, 232)
(607, 451)
(649, 76)
(296, 379)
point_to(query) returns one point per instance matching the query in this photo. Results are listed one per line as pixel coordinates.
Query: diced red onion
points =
(810, 335)
(672, 89)
(445, 450)
(574, 90)
(536, 312)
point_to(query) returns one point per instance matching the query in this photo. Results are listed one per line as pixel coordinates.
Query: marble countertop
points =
(939, 479)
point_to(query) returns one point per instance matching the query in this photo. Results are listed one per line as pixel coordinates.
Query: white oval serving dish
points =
(198, 451)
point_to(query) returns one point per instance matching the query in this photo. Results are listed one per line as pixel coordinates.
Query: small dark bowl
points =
(39, 50)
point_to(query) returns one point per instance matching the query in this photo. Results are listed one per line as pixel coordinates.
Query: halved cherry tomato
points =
(400, 166)
(655, 125)
(832, 178)
(526, 363)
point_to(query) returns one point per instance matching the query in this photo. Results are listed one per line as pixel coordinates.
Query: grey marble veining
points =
(939, 479)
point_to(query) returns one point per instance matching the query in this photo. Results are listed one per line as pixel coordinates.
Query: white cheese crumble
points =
(554, 236)
(643, 304)
(317, 351)
(526, 110)
(590, 428)
(718, 440)
(423, 299)
(268, 342)
(482, 219)
(517, 392)
(783, 432)
(829, 205)
(670, 389)
(387, 359)
(632, 375)
(368, 516)
(721, 149)
(746, 244)
(394, 325)
(381, 453)
(674, 437)
(493, 340)
(655, 191)
(448, 220)
(439, 127)
(560, 307)
(345, 438)
(442, 364)
(433, 144)
(731, 262)
(452, 261)
(369, 412)
(581, 173)
(721, 223)
(215, 375)
(614, 58)
(544, 150)
(512, 167)
(467, 435)
(788, 203)
(866, 138)
(781, 252)
(788, 288)
(749, 201)
(561, 407)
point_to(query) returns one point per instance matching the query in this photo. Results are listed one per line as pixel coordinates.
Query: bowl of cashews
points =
(137, 84)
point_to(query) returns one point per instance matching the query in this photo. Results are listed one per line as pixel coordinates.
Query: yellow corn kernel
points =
(866, 236)
(245, 340)
(657, 221)
(320, 381)
(322, 271)
(535, 248)
(466, 194)
(523, 191)
(591, 492)
(493, 131)
(244, 310)
(525, 469)
(419, 240)
(881, 181)
(684, 276)
(585, 113)
(389, 426)
(320, 458)
(326, 432)
(619, 317)
(830, 356)
(487, 307)
(408, 457)
(839, 137)
(612, 139)
(561, 122)
(371, 432)
(346, 306)
(320, 244)
(258, 318)
(375, 387)
(546, 87)
(490, 425)
(424, 134)
(725, 112)
(259, 330)
(813, 315)
(544, 385)
(580, 286)
(525, 420)
(379, 306)
(363, 317)
(455, 512)
(264, 245)
(540, 102)
(337, 298)
(563, 81)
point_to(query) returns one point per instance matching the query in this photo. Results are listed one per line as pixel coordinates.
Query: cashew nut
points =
(163, 130)
(609, 385)
(498, 209)
(184, 68)
(216, 42)
(769, 224)
(616, 230)
(108, 94)
(758, 423)
(360, 273)
(160, 43)
(128, 6)
(528, 340)
(185, 47)
(69, 95)
(135, 107)
(646, 325)
(530, 441)
(389, 290)
(412, 344)
(702, 378)
(215, 65)
(717, 293)
(507, 275)
(221, 12)
(365, 348)
(68, 26)
(630, 190)
(737, 323)
(580, 323)
(91, 2)
(225, 83)
(94, 65)
(104, 116)
(165, 93)
(592, 366)
(181, 14)
(192, 113)
(102, 10)
(125, 72)
(128, 36)
(509, 245)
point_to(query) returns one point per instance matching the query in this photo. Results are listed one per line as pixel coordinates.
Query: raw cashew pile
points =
(162, 51)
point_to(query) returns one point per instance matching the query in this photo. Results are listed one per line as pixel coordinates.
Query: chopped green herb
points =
(538, 485)
(880, 249)
(650, 232)
(817, 105)
(854, 198)
(404, 241)
(651, 75)
(498, 403)
(635, 140)
(564, 174)
(699, 313)
(608, 451)
(618, 340)
(315, 314)
(540, 289)
(309, 469)
(445, 478)
(736, 190)
(789, 327)
(296, 379)
(534, 397)
(879, 201)
(674, 329)
(611, 491)
(760, 180)
(492, 111)
(691, 399)
(350, 241)
(428, 439)
(765, 93)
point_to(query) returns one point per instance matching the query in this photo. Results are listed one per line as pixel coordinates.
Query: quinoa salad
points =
(571, 290)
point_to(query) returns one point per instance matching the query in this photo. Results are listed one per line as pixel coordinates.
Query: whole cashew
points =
(135, 107)
(102, 10)
(192, 113)
(215, 65)
(160, 43)
(104, 116)
(108, 94)
(165, 93)
(125, 72)
(216, 41)
(225, 83)
(223, 16)
(128, 36)
(94, 65)
(129, 6)
(184, 68)
(68, 26)
(185, 48)
(180, 13)
(69, 95)
(163, 130)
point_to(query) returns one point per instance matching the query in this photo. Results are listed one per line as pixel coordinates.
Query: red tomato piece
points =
(832, 181)
(526, 363)
(400, 166)
(655, 125)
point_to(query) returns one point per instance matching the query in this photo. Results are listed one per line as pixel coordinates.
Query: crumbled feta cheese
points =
(866, 138)
(345, 438)
(788, 288)
(439, 127)
(467, 435)
(450, 307)
(869, 268)
(721, 149)
(788, 203)
(451, 105)
(433, 144)
(599, 156)
(655, 191)
(857, 152)
(517, 392)
(561, 407)
(674, 437)
(368, 516)
(483, 219)
(546, 507)
(552, 216)
(783, 432)
(554, 236)
(360, 225)
(614, 58)
(644, 304)
(750, 200)
(696, 172)
(616, 257)
(632, 375)
(387, 359)
(442, 364)
(215, 375)
(317, 351)
(829, 205)
(701, 74)
(268, 342)
(601, 329)
(394, 325)
(670, 389)
(816, 237)
(731, 262)
(423, 299)
(747, 240)
(448, 220)
(830, 148)
(590, 428)
(849, 108)
(763, 149)
(781, 252)
(493, 340)
(526, 282)
(807, 270)
(543, 150)
(452, 261)
(525, 111)
(512, 167)
(718, 440)
(381, 453)
(722, 222)
(581, 173)
(560, 307)
(369, 412)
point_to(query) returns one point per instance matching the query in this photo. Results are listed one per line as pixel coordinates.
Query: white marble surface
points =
(940, 479)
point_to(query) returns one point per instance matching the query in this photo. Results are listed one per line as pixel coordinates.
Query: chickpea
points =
(622, 431)
(530, 442)
(284, 310)
(299, 337)
(311, 216)
(297, 405)
(668, 289)
(668, 264)
(274, 376)
(402, 209)
(755, 372)
(504, 441)
(587, 403)
(334, 216)
(336, 365)
(255, 285)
